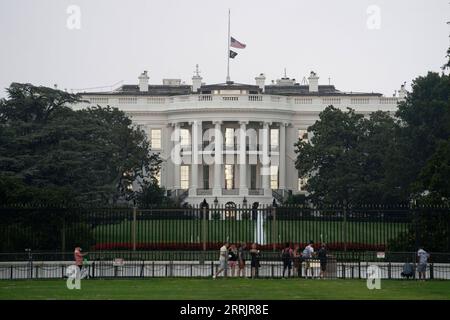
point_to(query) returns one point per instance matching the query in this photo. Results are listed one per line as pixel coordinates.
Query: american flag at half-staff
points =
(236, 44)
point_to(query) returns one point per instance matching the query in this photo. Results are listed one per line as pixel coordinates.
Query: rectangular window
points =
(155, 139)
(253, 176)
(274, 134)
(303, 135)
(229, 138)
(274, 177)
(229, 176)
(184, 177)
(205, 177)
(185, 137)
(158, 178)
(302, 184)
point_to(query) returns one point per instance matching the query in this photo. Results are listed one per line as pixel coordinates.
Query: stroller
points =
(408, 270)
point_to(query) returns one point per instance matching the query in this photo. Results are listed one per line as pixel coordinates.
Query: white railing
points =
(359, 100)
(228, 98)
(255, 97)
(388, 100)
(99, 100)
(205, 97)
(303, 100)
(243, 99)
(331, 100)
(128, 100)
(156, 100)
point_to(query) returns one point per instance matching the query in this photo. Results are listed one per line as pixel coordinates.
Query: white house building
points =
(256, 125)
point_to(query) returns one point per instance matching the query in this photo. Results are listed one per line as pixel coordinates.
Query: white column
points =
(217, 187)
(176, 153)
(195, 158)
(265, 161)
(282, 157)
(243, 189)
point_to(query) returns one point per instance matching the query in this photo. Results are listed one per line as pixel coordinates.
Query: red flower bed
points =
(334, 246)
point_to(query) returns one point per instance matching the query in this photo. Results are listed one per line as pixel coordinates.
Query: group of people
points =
(233, 257)
(293, 257)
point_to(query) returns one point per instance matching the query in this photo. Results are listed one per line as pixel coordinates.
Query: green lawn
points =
(218, 230)
(226, 289)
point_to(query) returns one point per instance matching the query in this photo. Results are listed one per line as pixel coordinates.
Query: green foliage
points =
(425, 129)
(348, 157)
(382, 159)
(88, 156)
(151, 195)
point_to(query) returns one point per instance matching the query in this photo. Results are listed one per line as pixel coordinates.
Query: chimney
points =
(260, 81)
(402, 92)
(143, 82)
(313, 80)
(196, 80)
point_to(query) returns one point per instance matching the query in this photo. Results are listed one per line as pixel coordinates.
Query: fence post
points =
(204, 231)
(274, 228)
(344, 225)
(63, 235)
(133, 228)
(389, 270)
(431, 271)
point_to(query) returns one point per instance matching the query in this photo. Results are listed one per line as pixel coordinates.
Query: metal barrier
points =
(268, 269)
(349, 229)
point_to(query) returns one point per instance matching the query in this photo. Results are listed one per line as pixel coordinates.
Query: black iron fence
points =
(347, 229)
(205, 264)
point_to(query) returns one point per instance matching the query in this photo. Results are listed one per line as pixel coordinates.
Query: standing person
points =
(78, 257)
(423, 256)
(322, 255)
(296, 258)
(232, 259)
(254, 253)
(306, 256)
(241, 260)
(286, 257)
(223, 257)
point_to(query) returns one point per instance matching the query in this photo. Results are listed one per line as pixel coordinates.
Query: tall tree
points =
(348, 158)
(425, 129)
(92, 155)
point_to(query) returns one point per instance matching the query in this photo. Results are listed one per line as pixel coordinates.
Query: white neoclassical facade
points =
(252, 159)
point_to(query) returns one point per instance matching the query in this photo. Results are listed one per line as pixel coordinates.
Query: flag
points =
(232, 54)
(236, 44)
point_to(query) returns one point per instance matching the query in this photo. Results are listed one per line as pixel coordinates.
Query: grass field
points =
(223, 289)
(217, 230)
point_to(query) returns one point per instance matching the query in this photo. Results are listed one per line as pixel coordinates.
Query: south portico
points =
(228, 161)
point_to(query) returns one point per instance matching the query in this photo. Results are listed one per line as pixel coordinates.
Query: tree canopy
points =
(49, 152)
(381, 158)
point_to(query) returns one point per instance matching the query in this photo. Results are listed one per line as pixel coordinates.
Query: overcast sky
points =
(362, 45)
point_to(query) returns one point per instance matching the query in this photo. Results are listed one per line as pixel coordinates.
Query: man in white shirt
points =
(423, 259)
(223, 260)
(306, 256)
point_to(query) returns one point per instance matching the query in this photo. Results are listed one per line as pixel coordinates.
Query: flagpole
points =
(228, 51)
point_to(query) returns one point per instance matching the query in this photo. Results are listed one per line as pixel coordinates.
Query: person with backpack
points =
(322, 255)
(286, 257)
